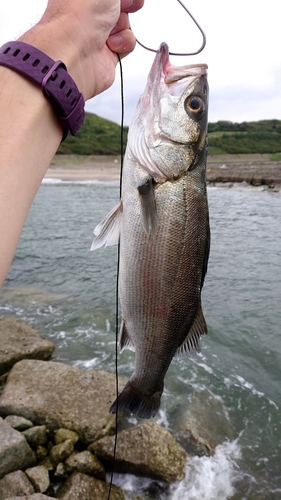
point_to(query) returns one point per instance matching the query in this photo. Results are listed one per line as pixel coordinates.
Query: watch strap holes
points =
(26, 57)
(36, 62)
(62, 84)
(69, 92)
(7, 50)
(73, 102)
(16, 53)
(45, 69)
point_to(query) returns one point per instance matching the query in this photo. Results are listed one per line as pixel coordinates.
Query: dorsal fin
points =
(197, 329)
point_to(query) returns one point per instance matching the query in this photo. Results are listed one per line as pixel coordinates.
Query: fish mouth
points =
(163, 69)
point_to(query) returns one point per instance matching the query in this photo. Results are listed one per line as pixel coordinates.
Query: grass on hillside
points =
(99, 136)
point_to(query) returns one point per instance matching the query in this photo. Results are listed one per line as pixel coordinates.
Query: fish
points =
(162, 225)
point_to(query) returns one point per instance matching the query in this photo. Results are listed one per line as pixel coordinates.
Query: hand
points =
(86, 35)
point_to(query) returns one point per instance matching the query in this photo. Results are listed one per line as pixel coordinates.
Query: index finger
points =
(131, 5)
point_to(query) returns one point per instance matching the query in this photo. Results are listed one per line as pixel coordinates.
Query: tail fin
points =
(134, 401)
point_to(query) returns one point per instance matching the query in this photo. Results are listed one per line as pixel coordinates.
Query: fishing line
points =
(117, 277)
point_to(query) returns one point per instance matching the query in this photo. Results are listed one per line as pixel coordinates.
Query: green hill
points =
(99, 136)
(247, 137)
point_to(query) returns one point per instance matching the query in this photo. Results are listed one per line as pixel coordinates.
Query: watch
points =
(56, 83)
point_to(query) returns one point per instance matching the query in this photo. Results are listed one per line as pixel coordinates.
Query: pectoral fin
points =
(108, 230)
(197, 329)
(148, 206)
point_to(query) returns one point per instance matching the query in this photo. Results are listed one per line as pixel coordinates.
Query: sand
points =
(86, 170)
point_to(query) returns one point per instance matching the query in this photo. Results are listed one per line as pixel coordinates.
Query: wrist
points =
(51, 39)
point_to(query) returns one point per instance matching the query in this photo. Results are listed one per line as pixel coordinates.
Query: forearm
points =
(81, 34)
(28, 121)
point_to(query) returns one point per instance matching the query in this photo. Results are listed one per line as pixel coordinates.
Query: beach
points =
(255, 169)
(80, 167)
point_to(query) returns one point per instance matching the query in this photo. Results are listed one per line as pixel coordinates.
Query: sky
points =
(242, 52)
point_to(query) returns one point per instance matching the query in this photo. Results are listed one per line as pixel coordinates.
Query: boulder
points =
(87, 463)
(18, 340)
(146, 450)
(80, 486)
(18, 423)
(199, 432)
(15, 453)
(62, 435)
(58, 395)
(13, 484)
(36, 436)
(35, 496)
(39, 477)
(61, 452)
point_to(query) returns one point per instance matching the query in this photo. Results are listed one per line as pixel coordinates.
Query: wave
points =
(54, 181)
(207, 477)
(211, 477)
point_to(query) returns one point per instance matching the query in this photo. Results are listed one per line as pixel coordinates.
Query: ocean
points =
(233, 387)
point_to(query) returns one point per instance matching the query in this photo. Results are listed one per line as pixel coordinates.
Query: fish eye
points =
(194, 105)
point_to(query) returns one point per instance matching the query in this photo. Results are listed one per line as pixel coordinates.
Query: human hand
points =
(86, 35)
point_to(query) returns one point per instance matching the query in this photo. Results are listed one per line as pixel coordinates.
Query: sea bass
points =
(163, 224)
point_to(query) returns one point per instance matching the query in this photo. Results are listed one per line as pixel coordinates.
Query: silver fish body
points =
(163, 225)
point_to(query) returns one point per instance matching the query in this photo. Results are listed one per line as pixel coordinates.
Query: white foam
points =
(210, 478)
(51, 180)
(89, 363)
(207, 478)
(54, 181)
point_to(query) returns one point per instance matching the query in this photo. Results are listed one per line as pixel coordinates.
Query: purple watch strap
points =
(56, 83)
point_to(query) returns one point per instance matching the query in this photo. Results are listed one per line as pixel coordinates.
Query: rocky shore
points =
(255, 170)
(227, 170)
(57, 436)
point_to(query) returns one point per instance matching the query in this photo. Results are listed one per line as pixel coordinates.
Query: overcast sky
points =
(242, 52)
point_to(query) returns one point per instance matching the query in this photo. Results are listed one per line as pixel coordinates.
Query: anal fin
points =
(197, 329)
(124, 339)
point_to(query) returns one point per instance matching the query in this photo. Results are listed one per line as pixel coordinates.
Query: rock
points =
(146, 450)
(3, 380)
(61, 451)
(14, 484)
(61, 472)
(59, 395)
(41, 452)
(18, 340)
(18, 423)
(87, 463)
(199, 432)
(15, 453)
(36, 436)
(46, 462)
(36, 496)
(39, 477)
(80, 486)
(64, 434)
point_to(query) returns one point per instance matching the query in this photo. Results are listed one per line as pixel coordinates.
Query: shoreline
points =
(255, 170)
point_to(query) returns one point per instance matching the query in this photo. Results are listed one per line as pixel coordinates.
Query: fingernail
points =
(127, 4)
(115, 40)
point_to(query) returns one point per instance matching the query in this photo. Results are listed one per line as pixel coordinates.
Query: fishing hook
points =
(183, 54)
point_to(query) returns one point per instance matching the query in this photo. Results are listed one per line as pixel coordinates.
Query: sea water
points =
(233, 387)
